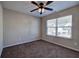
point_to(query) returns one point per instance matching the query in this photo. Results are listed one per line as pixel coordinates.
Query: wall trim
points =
(62, 45)
(1, 52)
(19, 43)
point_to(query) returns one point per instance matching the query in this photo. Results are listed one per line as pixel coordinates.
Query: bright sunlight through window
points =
(61, 27)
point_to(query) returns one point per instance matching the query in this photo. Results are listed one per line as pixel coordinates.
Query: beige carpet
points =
(38, 49)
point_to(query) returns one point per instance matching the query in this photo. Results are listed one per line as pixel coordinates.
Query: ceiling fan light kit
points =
(39, 10)
(41, 6)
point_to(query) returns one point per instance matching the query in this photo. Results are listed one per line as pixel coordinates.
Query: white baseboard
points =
(63, 45)
(1, 52)
(19, 43)
(44, 40)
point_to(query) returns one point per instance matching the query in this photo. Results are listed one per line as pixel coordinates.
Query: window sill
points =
(59, 37)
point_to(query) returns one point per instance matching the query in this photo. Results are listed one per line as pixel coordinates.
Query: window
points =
(64, 25)
(51, 27)
(60, 27)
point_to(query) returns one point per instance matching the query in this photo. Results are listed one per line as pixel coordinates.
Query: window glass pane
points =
(51, 23)
(51, 31)
(64, 32)
(64, 21)
(64, 25)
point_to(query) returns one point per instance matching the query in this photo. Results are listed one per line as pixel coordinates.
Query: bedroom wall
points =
(1, 29)
(69, 43)
(19, 28)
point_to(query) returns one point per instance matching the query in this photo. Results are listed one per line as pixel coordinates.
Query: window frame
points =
(47, 28)
(57, 28)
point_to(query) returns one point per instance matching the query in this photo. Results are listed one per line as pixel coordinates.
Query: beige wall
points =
(1, 29)
(19, 28)
(70, 43)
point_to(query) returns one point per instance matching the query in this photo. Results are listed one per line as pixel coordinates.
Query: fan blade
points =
(49, 2)
(34, 9)
(33, 2)
(48, 8)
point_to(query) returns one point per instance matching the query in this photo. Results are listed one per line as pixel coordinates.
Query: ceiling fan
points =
(41, 6)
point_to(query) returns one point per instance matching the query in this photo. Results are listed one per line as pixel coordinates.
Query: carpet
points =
(38, 49)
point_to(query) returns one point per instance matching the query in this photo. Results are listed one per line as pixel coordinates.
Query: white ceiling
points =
(26, 6)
